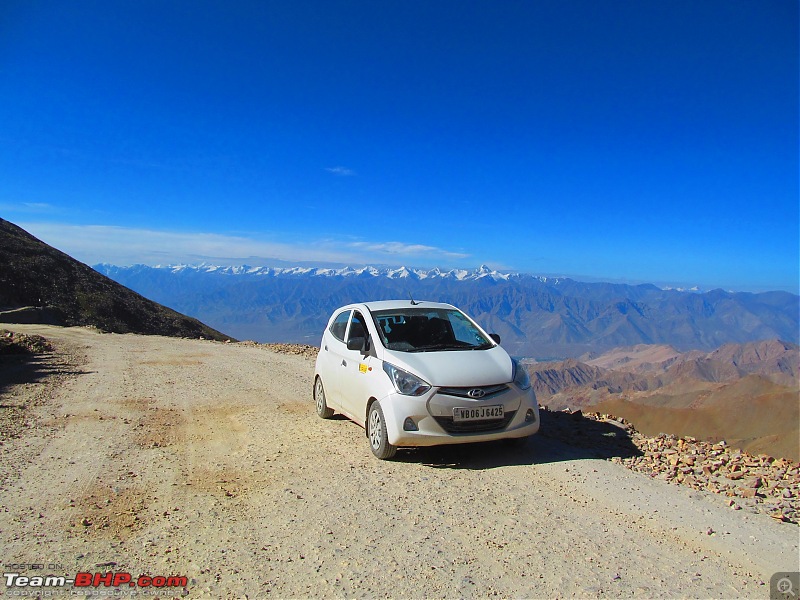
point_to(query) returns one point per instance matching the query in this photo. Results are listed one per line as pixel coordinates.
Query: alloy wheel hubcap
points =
(320, 397)
(375, 429)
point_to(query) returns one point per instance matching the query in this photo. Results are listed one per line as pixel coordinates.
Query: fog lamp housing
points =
(409, 425)
(530, 416)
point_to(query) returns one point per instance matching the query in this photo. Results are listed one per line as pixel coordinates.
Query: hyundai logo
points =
(476, 393)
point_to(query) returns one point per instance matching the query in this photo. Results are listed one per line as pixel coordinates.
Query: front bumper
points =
(432, 415)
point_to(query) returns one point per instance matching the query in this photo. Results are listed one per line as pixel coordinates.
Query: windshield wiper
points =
(430, 347)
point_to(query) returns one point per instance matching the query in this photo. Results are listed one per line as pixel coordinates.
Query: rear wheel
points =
(319, 399)
(376, 432)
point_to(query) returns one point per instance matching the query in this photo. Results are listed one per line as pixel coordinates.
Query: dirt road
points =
(206, 460)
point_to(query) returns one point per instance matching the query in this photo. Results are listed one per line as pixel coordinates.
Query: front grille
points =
(489, 391)
(451, 426)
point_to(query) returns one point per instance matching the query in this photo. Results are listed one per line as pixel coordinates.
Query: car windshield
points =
(415, 329)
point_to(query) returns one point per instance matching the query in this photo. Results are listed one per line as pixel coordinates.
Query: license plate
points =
(480, 413)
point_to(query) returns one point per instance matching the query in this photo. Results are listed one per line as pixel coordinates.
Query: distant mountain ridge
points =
(41, 284)
(535, 316)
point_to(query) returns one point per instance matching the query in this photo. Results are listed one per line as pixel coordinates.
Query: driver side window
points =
(357, 327)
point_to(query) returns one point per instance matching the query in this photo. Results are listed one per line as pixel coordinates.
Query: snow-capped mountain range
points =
(536, 316)
(365, 271)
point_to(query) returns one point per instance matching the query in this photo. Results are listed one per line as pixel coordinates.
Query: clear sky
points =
(624, 140)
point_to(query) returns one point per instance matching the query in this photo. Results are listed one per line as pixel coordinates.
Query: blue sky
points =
(626, 140)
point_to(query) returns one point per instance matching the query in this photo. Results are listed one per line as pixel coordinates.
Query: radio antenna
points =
(413, 302)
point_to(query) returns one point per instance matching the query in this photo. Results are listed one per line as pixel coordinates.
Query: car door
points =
(357, 369)
(332, 351)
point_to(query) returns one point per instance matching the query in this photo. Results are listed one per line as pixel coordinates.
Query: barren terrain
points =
(172, 456)
(745, 394)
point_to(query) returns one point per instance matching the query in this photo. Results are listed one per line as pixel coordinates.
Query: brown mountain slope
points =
(702, 369)
(648, 356)
(753, 414)
(67, 292)
(550, 378)
(776, 359)
(746, 394)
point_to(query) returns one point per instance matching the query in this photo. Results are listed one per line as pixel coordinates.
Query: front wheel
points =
(319, 399)
(376, 432)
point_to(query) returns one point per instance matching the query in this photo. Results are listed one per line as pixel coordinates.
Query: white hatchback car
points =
(420, 374)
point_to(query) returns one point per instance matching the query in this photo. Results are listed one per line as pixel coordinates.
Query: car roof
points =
(391, 304)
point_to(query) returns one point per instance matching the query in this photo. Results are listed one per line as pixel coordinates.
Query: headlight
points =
(521, 378)
(404, 382)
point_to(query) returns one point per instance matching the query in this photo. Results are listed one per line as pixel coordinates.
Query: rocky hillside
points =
(41, 284)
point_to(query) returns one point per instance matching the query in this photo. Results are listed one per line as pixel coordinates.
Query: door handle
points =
(344, 363)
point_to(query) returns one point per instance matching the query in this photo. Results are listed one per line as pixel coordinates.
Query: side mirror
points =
(358, 343)
(495, 337)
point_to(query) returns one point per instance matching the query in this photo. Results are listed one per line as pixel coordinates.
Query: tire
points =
(376, 433)
(319, 399)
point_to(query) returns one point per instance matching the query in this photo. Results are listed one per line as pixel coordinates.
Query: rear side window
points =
(339, 325)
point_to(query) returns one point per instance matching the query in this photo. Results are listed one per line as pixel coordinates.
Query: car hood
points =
(460, 368)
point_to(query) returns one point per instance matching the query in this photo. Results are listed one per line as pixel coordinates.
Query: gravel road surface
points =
(163, 456)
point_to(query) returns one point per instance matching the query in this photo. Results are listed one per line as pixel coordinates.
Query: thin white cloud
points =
(341, 171)
(94, 244)
(39, 206)
(400, 248)
(124, 246)
(29, 207)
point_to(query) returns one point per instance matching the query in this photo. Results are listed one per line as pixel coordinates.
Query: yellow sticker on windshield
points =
(362, 367)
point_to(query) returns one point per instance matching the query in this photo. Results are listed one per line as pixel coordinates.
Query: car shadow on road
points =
(562, 437)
